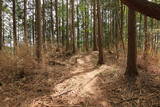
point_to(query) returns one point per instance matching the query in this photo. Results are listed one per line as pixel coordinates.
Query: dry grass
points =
(23, 79)
(16, 65)
(22, 82)
(144, 92)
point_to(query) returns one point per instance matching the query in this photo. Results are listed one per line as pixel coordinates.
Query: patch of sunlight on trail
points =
(83, 84)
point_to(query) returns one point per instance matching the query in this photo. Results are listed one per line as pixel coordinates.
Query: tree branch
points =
(145, 7)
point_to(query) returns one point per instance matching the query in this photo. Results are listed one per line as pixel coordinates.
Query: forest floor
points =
(77, 81)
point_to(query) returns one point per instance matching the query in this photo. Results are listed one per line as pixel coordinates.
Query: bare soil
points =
(78, 82)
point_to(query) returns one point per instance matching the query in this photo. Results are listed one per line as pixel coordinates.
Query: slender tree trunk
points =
(131, 70)
(18, 29)
(73, 28)
(94, 27)
(10, 37)
(152, 38)
(3, 28)
(78, 30)
(117, 31)
(121, 27)
(57, 22)
(109, 32)
(38, 30)
(67, 24)
(25, 22)
(100, 34)
(146, 38)
(52, 21)
(33, 29)
(44, 22)
(140, 27)
(1, 35)
(63, 30)
(60, 30)
(86, 28)
(14, 26)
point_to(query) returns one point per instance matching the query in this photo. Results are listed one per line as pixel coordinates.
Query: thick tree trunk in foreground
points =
(145, 7)
(38, 30)
(100, 33)
(131, 70)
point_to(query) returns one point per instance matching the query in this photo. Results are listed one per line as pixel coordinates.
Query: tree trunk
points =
(44, 22)
(78, 30)
(146, 44)
(52, 21)
(3, 29)
(67, 24)
(73, 29)
(38, 30)
(131, 70)
(57, 22)
(86, 28)
(33, 28)
(25, 22)
(1, 35)
(100, 34)
(94, 27)
(14, 26)
(63, 30)
(121, 27)
(140, 36)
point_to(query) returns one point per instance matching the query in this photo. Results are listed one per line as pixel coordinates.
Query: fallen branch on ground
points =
(55, 63)
(127, 100)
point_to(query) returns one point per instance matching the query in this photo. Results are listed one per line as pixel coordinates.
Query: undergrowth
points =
(16, 65)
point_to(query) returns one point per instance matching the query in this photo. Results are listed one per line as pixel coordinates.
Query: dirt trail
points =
(80, 87)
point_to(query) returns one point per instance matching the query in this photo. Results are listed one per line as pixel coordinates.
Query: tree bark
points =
(1, 35)
(94, 27)
(52, 21)
(14, 26)
(44, 22)
(57, 22)
(131, 70)
(38, 30)
(67, 24)
(121, 27)
(63, 24)
(33, 24)
(146, 43)
(25, 22)
(86, 28)
(78, 29)
(73, 29)
(100, 34)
